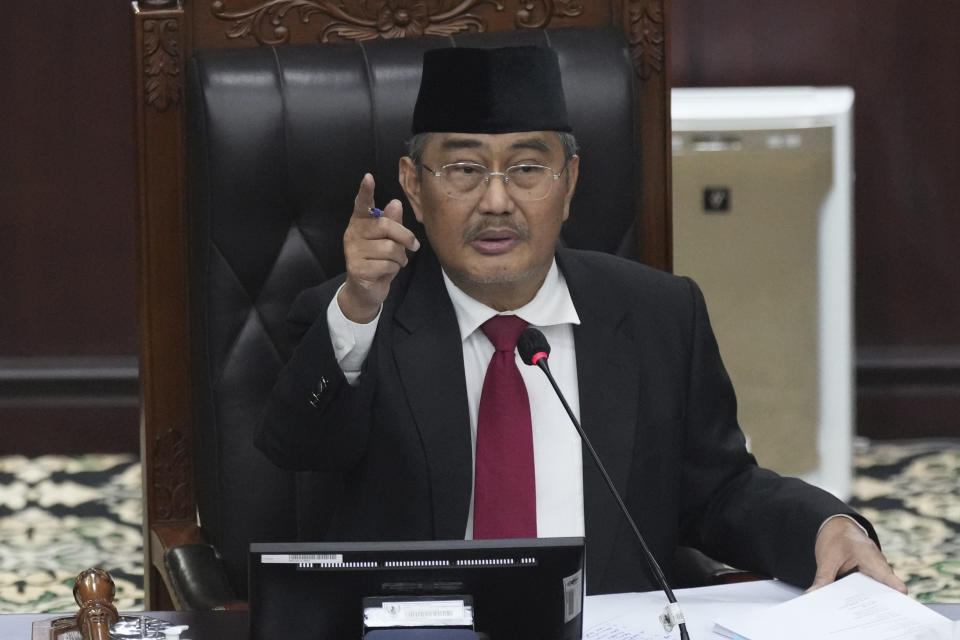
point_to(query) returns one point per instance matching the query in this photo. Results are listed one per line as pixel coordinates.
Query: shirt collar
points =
(552, 305)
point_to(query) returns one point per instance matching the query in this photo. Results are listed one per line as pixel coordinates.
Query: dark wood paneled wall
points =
(903, 60)
(67, 213)
(67, 195)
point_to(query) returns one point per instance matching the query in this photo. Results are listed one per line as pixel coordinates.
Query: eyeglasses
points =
(467, 180)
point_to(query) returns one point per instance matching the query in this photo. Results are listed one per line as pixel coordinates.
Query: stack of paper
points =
(854, 608)
(634, 616)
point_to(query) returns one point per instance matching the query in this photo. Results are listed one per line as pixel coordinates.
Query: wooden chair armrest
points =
(190, 568)
(694, 569)
(172, 534)
(734, 576)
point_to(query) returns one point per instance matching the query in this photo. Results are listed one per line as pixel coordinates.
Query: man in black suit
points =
(388, 382)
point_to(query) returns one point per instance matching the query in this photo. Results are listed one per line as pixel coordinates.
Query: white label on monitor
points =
(420, 613)
(572, 596)
(301, 558)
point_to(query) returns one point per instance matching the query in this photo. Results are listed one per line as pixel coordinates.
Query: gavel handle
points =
(95, 620)
(94, 591)
(95, 630)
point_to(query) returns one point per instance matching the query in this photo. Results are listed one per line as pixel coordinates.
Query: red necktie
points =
(505, 497)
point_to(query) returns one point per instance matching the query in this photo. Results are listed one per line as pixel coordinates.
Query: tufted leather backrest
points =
(278, 141)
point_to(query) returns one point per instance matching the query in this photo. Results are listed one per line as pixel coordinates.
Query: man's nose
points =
(496, 199)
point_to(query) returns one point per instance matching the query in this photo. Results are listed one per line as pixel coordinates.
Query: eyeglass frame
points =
(438, 173)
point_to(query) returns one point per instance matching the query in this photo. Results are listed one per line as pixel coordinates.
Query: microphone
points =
(535, 351)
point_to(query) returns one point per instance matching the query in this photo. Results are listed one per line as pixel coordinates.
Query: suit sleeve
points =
(733, 510)
(314, 419)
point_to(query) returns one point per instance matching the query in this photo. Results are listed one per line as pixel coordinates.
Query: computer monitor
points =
(519, 589)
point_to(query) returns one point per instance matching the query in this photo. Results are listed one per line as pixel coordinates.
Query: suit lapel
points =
(609, 379)
(429, 355)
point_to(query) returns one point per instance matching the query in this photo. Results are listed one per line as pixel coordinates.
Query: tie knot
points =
(503, 331)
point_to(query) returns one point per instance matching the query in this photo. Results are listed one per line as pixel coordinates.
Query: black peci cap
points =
(490, 91)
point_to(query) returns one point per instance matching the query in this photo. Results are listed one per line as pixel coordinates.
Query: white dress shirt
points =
(557, 450)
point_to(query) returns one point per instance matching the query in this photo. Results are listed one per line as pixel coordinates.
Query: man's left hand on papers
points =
(843, 547)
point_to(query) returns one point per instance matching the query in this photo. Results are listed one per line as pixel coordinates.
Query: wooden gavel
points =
(94, 592)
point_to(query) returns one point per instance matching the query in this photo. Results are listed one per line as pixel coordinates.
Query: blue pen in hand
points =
(374, 212)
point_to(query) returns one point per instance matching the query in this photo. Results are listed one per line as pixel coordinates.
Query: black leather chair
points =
(278, 141)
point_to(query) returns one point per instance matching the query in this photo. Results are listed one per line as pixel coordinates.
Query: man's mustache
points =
(473, 232)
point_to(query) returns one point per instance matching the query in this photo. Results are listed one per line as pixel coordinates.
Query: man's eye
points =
(465, 170)
(529, 168)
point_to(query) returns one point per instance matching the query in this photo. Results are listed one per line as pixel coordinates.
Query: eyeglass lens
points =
(523, 182)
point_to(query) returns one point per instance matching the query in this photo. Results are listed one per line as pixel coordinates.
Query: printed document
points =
(854, 608)
(634, 616)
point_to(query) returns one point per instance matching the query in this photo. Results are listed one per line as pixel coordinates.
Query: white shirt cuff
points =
(351, 341)
(841, 515)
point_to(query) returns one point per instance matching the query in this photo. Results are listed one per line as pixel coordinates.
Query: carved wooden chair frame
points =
(166, 32)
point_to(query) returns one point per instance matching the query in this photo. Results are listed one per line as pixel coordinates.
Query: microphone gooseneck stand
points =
(535, 350)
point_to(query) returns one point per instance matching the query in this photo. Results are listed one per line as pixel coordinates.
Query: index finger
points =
(364, 200)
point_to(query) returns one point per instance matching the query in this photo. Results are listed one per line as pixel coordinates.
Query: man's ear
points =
(410, 183)
(573, 172)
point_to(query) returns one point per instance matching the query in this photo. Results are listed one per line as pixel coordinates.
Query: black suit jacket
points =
(654, 399)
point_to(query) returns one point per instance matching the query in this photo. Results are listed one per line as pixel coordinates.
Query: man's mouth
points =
(494, 241)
